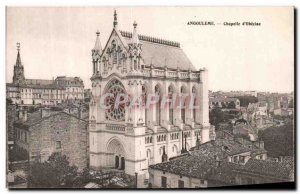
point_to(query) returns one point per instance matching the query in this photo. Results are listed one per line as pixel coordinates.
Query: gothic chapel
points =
(131, 139)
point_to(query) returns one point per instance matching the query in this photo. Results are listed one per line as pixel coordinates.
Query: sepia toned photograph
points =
(150, 97)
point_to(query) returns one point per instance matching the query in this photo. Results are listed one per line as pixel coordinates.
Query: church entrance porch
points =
(119, 162)
(117, 154)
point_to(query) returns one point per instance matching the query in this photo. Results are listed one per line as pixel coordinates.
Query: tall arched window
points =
(171, 112)
(158, 104)
(144, 97)
(183, 91)
(194, 103)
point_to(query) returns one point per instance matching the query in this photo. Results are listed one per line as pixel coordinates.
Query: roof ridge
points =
(151, 39)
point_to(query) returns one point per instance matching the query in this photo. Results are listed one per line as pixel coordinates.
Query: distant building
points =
(224, 103)
(38, 91)
(284, 111)
(74, 87)
(43, 132)
(220, 163)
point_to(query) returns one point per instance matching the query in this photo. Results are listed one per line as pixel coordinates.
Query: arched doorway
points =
(122, 163)
(116, 161)
(116, 151)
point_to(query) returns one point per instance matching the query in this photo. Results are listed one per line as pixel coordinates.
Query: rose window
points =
(113, 113)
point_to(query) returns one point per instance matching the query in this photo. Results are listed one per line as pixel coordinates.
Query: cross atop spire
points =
(18, 46)
(115, 19)
(18, 62)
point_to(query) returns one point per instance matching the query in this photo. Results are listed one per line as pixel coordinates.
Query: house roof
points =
(189, 165)
(161, 53)
(221, 148)
(282, 170)
(36, 117)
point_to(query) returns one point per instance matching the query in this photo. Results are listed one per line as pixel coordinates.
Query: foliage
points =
(217, 116)
(231, 105)
(54, 173)
(278, 141)
(291, 104)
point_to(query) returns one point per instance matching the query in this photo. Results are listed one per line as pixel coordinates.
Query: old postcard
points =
(150, 97)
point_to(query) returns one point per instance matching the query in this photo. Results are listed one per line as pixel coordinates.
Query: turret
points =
(96, 54)
(135, 37)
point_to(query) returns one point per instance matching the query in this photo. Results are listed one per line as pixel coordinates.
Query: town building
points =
(74, 87)
(129, 138)
(43, 132)
(218, 163)
(224, 103)
(39, 91)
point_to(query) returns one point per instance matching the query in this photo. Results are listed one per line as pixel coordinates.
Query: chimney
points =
(22, 114)
(197, 141)
(45, 112)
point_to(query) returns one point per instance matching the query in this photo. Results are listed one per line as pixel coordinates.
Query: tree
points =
(231, 105)
(54, 173)
(278, 141)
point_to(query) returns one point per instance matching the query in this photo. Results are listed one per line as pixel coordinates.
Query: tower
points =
(18, 77)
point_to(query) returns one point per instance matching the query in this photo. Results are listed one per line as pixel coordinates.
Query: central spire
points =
(115, 19)
(18, 62)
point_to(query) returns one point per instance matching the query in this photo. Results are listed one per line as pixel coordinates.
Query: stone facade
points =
(133, 138)
(42, 133)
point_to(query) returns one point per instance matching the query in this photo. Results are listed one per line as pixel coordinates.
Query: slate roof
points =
(38, 84)
(161, 53)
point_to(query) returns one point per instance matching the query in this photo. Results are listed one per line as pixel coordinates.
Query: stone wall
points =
(70, 131)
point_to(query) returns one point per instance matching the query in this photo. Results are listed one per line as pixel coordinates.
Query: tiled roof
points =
(33, 118)
(189, 165)
(161, 53)
(283, 170)
(36, 117)
(220, 148)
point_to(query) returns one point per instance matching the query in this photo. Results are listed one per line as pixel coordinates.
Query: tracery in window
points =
(115, 87)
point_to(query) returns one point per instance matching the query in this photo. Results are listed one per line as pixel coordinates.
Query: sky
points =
(57, 41)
